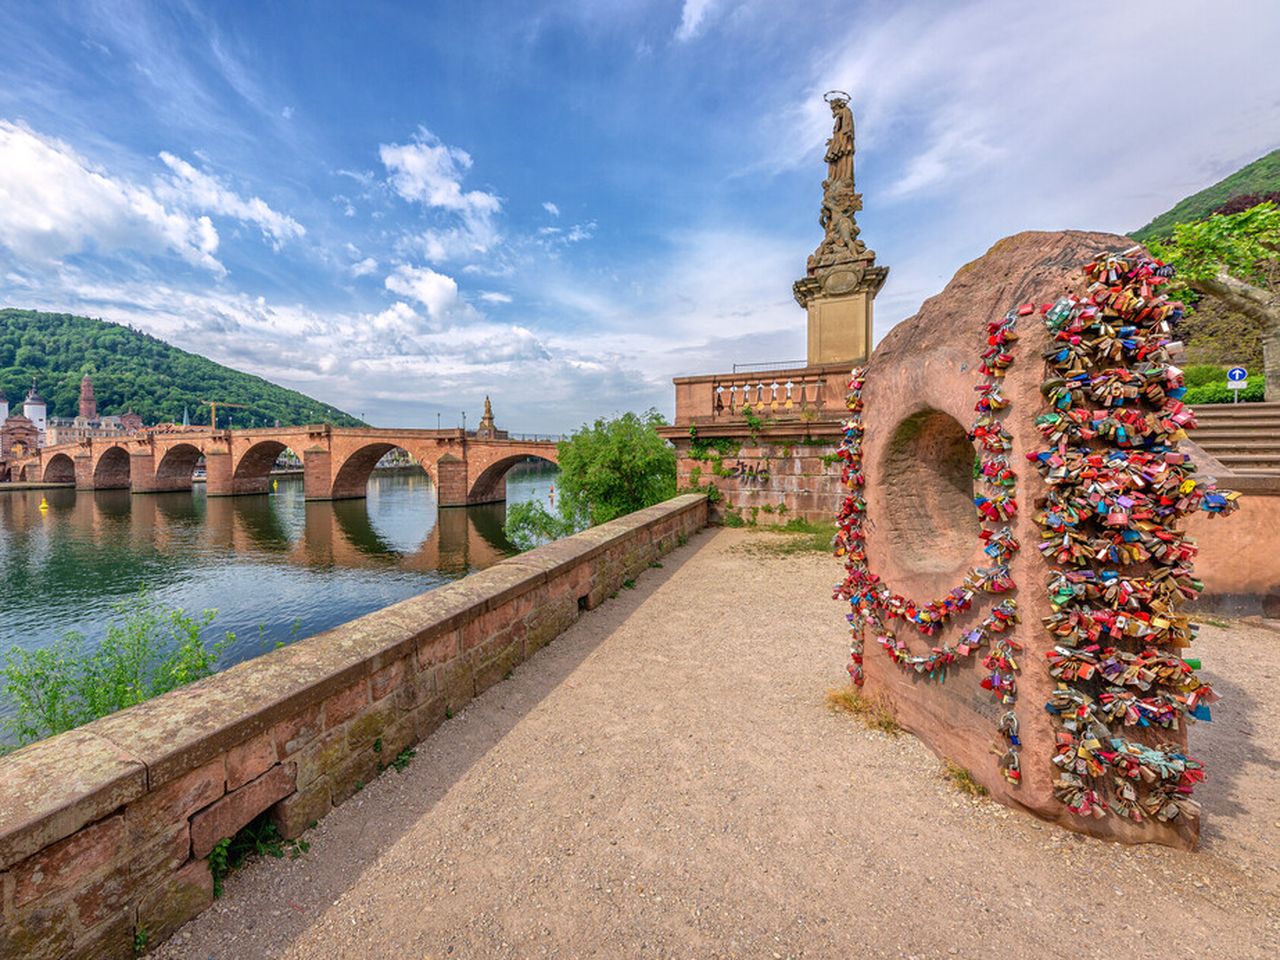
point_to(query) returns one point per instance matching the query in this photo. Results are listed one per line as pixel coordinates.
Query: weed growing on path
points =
(873, 712)
(788, 539)
(259, 838)
(962, 779)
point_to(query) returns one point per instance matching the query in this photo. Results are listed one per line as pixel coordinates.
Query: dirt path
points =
(665, 781)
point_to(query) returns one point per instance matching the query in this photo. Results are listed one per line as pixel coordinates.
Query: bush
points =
(147, 653)
(607, 469)
(1201, 374)
(1220, 393)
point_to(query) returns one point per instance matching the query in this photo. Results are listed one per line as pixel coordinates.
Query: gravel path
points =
(664, 780)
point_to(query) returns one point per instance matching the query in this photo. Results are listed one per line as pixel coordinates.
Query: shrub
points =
(1220, 393)
(146, 653)
(607, 469)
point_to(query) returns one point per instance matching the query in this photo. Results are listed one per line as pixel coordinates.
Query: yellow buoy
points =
(275, 484)
(44, 505)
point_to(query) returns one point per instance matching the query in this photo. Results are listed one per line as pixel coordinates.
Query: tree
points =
(607, 469)
(1233, 258)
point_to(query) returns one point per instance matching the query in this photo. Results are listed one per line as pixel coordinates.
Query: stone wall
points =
(767, 477)
(105, 831)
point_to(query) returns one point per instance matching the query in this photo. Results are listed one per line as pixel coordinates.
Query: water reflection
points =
(261, 561)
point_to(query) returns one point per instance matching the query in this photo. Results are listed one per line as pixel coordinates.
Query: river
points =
(275, 567)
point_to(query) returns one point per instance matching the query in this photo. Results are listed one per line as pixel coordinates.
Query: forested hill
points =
(133, 369)
(1258, 178)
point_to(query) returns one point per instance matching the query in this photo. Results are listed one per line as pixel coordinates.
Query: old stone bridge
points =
(336, 461)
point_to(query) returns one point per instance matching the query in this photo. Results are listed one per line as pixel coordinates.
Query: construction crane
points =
(213, 406)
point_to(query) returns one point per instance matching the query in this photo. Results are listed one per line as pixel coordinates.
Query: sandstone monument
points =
(1018, 491)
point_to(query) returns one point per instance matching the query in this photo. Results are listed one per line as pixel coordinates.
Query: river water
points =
(275, 567)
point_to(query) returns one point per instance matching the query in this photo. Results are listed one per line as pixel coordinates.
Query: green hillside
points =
(133, 369)
(1261, 176)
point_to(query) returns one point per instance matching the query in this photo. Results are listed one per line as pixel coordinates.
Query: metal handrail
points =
(772, 365)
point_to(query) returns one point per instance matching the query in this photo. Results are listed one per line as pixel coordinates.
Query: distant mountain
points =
(134, 370)
(1260, 177)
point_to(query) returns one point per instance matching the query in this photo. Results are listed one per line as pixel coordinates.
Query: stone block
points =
(321, 757)
(497, 663)
(439, 649)
(429, 716)
(250, 759)
(172, 804)
(234, 810)
(42, 934)
(51, 789)
(62, 865)
(356, 771)
(295, 732)
(162, 855)
(295, 813)
(368, 726)
(456, 682)
(174, 901)
(345, 704)
(110, 940)
(418, 687)
(103, 898)
(386, 680)
(398, 735)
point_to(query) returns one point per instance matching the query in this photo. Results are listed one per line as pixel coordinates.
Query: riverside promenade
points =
(665, 780)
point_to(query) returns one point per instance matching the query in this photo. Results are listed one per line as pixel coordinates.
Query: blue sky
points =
(401, 207)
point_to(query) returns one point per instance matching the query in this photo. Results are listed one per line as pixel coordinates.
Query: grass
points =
(962, 779)
(793, 537)
(875, 713)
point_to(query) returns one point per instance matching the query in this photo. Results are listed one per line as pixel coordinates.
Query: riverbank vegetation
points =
(607, 469)
(147, 651)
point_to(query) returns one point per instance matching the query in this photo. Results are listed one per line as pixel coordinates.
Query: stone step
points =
(1244, 444)
(1263, 428)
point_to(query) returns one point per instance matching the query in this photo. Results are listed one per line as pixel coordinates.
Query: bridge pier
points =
(84, 471)
(217, 472)
(451, 481)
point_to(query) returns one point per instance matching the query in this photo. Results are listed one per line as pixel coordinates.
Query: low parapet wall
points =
(105, 831)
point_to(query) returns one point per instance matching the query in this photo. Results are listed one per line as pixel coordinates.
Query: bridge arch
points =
(60, 469)
(491, 484)
(351, 479)
(252, 472)
(177, 467)
(111, 469)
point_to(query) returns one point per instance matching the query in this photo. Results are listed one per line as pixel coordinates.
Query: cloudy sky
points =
(401, 207)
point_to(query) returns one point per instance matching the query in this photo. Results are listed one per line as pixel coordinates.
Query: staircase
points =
(1244, 436)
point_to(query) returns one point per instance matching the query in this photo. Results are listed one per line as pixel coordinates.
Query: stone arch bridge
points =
(336, 461)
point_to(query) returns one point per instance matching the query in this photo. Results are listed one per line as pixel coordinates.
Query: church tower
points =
(88, 405)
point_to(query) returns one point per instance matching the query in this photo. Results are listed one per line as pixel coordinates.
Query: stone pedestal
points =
(840, 329)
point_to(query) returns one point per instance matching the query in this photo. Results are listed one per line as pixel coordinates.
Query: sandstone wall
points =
(105, 830)
(766, 478)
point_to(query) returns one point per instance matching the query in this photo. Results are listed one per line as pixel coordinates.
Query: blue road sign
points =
(1236, 374)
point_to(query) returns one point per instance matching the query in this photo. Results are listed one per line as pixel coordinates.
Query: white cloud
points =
(435, 291)
(551, 208)
(196, 189)
(54, 203)
(430, 172)
(492, 296)
(362, 268)
(692, 18)
(287, 113)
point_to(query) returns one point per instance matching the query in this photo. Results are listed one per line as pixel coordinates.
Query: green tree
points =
(1233, 258)
(607, 469)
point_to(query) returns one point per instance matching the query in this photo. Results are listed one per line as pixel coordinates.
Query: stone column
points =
(451, 481)
(317, 473)
(142, 471)
(218, 474)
